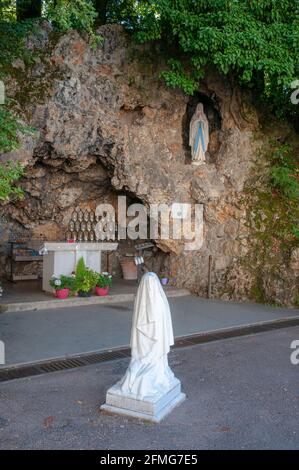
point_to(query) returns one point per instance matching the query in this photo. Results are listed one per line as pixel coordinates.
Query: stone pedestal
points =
(152, 409)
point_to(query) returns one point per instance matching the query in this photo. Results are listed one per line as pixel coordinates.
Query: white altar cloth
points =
(61, 258)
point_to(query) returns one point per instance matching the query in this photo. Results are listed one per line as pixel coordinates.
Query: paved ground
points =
(242, 393)
(37, 335)
(31, 291)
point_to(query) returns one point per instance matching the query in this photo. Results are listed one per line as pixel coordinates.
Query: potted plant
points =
(62, 285)
(129, 268)
(86, 279)
(104, 283)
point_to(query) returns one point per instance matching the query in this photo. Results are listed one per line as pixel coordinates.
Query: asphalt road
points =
(242, 393)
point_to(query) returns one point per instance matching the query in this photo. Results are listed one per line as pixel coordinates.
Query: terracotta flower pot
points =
(129, 269)
(62, 293)
(102, 291)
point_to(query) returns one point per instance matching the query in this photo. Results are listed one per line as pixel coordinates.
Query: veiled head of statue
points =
(150, 281)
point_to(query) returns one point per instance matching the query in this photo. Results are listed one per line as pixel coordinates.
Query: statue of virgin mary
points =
(148, 390)
(151, 337)
(199, 135)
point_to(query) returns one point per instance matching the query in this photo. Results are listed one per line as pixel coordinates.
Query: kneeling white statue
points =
(149, 389)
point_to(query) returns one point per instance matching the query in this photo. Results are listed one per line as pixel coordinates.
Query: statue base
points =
(152, 409)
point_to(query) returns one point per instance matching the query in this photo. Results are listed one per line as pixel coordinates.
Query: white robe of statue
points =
(151, 337)
(199, 135)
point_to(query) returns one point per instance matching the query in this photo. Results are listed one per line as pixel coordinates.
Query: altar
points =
(61, 258)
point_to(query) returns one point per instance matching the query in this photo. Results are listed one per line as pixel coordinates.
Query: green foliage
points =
(86, 278)
(80, 268)
(9, 128)
(13, 36)
(256, 41)
(257, 292)
(63, 282)
(274, 215)
(284, 173)
(9, 174)
(274, 221)
(7, 10)
(104, 280)
(87, 282)
(284, 178)
(177, 77)
(70, 283)
(63, 14)
(12, 46)
(134, 15)
(74, 14)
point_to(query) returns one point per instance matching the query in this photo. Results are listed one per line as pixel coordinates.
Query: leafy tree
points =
(134, 15)
(71, 14)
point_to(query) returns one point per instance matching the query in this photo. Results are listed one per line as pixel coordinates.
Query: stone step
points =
(79, 301)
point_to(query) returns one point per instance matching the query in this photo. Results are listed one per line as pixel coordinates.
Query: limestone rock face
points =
(106, 124)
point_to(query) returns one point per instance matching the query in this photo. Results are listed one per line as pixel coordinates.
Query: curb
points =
(79, 302)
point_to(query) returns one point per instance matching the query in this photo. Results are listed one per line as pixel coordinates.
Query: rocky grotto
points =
(107, 125)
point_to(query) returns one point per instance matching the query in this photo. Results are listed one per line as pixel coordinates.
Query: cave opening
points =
(53, 190)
